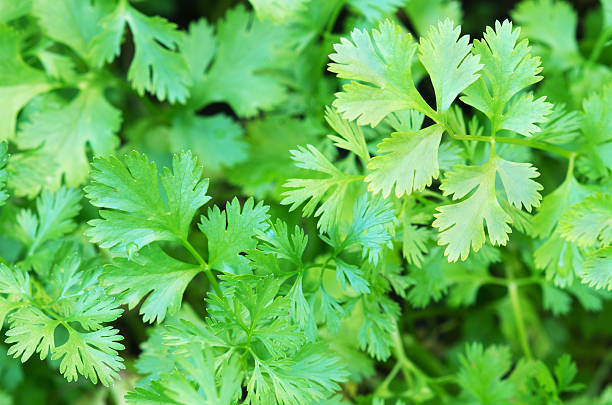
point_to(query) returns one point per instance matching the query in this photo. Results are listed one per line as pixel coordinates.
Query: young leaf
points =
(408, 161)
(590, 222)
(449, 62)
(19, 82)
(233, 232)
(134, 213)
(157, 67)
(333, 187)
(383, 60)
(461, 224)
(154, 274)
(65, 132)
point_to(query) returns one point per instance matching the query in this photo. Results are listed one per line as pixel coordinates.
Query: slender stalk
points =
(518, 318)
(599, 45)
(515, 141)
(203, 265)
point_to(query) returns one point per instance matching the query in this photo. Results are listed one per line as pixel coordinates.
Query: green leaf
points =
(31, 330)
(157, 67)
(65, 132)
(379, 323)
(232, 232)
(19, 83)
(154, 275)
(382, 61)
(246, 47)
(425, 13)
(282, 244)
(72, 22)
(217, 140)
(508, 68)
(196, 383)
(134, 212)
(92, 354)
(570, 192)
(332, 188)
(352, 274)
(311, 375)
(407, 161)
(449, 62)
(371, 226)
(278, 10)
(552, 25)
(598, 269)
(351, 136)
(461, 225)
(56, 212)
(481, 374)
(589, 223)
(375, 10)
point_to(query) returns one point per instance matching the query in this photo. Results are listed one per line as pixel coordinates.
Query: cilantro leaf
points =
(590, 222)
(151, 271)
(277, 10)
(552, 25)
(461, 225)
(232, 232)
(65, 131)
(481, 374)
(333, 187)
(72, 22)
(407, 161)
(157, 67)
(239, 58)
(383, 60)
(56, 212)
(449, 62)
(217, 139)
(598, 269)
(134, 212)
(19, 82)
(508, 68)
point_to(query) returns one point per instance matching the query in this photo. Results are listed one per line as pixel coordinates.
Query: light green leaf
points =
(92, 354)
(56, 212)
(589, 223)
(461, 225)
(551, 24)
(333, 187)
(72, 22)
(508, 68)
(598, 269)
(277, 10)
(19, 82)
(351, 136)
(407, 161)
(151, 274)
(157, 67)
(382, 61)
(134, 213)
(217, 140)
(449, 62)
(66, 131)
(247, 46)
(232, 232)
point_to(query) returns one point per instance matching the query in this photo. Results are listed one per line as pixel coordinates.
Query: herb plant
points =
(305, 202)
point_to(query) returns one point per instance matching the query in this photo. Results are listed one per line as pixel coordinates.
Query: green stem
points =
(515, 141)
(599, 45)
(518, 318)
(204, 266)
